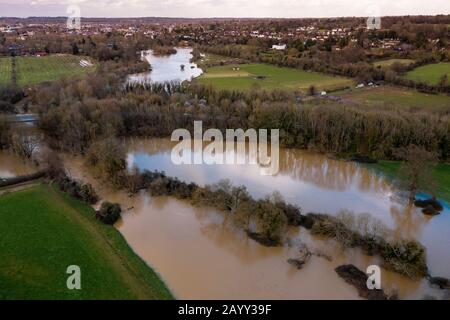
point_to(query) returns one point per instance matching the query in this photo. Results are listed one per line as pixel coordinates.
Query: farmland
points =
(246, 76)
(398, 97)
(390, 62)
(430, 74)
(44, 231)
(5, 70)
(34, 70)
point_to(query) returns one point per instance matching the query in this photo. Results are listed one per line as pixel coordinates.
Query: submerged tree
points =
(417, 169)
(109, 156)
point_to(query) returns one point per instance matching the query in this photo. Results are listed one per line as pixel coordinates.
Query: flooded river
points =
(168, 68)
(201, 255)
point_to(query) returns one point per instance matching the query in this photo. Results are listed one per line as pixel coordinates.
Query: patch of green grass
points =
(44, 231)
(398, 97)
(33, 70)
(441, 175)
(430, 74)
(390, 62)
(5, 70)
(244, 77)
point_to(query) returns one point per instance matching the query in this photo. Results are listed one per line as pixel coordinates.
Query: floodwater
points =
(11, 166)
(168, 68)
(201, 255)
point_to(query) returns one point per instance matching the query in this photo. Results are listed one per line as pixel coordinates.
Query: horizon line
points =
(228, 17)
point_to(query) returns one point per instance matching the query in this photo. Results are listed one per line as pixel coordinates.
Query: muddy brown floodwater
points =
(11, 166)
(200, 255)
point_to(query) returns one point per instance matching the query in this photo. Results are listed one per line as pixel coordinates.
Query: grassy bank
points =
(430, 73)
(441, 175)
(45, 231)
(245, 76)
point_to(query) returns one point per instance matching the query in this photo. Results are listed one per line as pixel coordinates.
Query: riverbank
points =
(45, 231)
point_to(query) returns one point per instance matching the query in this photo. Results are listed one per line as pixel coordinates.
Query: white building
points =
(279, 47)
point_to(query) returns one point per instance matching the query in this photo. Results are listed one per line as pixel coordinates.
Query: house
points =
(279, 47)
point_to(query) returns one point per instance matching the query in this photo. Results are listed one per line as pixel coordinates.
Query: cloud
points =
(225, 8)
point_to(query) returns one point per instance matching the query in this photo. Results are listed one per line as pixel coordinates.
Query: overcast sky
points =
(224, 8)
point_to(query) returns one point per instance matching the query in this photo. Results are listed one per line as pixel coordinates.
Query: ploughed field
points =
(430, 74)
(245, 76)
(34, 70)
(45, 231)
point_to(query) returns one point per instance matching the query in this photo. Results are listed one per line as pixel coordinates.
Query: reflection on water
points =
(168, 68)
(200, 255)
(317, 184)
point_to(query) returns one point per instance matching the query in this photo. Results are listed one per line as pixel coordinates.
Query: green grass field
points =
(441, 175)
(430, 73)
(390, 62)
(212, 59)
(5, 70)
(398, 97)
(244, 77)
(33, 70)
(44, 231)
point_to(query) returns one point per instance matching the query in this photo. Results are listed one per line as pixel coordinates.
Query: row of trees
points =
(79, 115)
(350, 62)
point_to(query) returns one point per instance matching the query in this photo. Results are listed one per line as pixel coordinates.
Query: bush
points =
(83, 192)
(109, 157)
(109, 213)
(88, 194)
(405, 257)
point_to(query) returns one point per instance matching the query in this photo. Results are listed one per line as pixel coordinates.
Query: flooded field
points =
(201, 255)
(11, 166)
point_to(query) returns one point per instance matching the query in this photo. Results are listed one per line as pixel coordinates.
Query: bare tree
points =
(24, 145)
(417, 169)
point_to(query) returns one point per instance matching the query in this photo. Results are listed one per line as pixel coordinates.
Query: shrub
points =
(88, 194)
(109, 156)
(84, 192)
(109, 213)
(406, 257)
